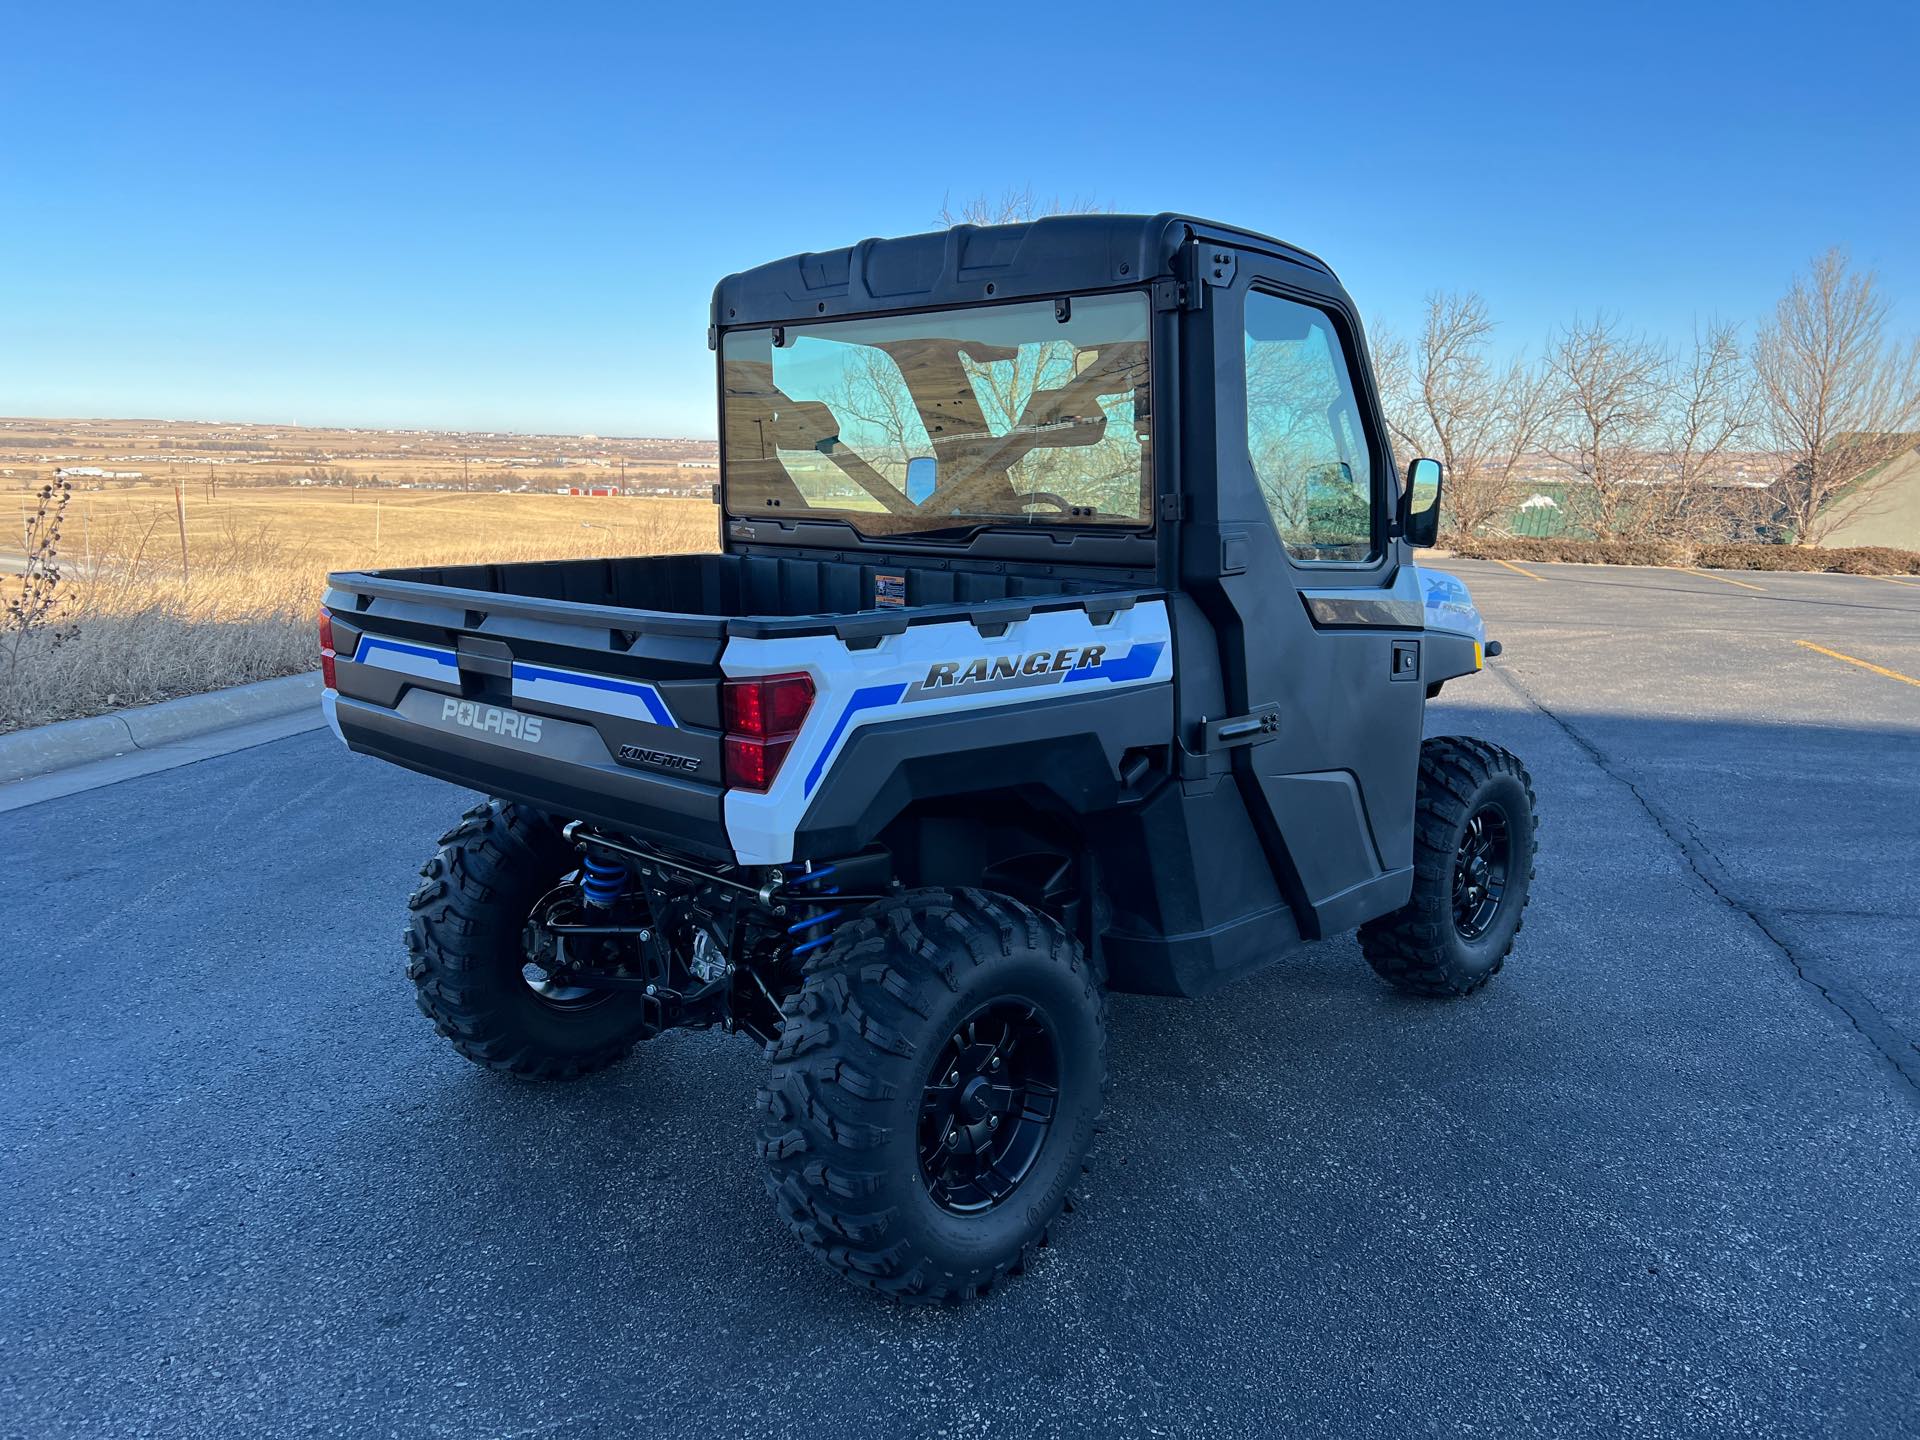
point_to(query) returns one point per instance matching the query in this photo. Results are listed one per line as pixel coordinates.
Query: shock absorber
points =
(602, 882)
(806, 933)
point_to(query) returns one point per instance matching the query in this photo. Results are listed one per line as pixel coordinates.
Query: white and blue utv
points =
(1064, 636)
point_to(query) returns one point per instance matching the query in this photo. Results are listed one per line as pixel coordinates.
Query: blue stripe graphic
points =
(866, 699)
(370, 643)
(646, 694)
(1136, 664)
(648, 697)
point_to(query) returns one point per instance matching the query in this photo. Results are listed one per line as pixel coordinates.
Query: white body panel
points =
(1053, 653)
(1449, 606)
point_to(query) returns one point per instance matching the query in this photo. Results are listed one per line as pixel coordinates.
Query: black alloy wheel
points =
(933, 1092)
(1480, 870)
(988, 1105)
(1475, 834)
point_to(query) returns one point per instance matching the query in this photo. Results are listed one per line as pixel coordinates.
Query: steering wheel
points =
(1046, 497)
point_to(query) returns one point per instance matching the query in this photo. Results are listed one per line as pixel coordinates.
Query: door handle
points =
(1256, 728)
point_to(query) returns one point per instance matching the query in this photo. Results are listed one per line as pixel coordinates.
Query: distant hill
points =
(1892, 517)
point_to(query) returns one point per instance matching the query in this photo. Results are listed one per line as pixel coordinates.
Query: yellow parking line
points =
(1892, 580)
(1855, 660)
(1684, 570)
(1518, 571)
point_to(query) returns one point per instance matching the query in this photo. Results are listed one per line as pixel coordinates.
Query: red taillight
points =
(752, 764)
(762, 716)
(326, 651)
(768, 705)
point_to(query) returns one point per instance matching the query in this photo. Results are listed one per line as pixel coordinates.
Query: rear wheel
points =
(474, 957)
(1474, 828)
(933, 1093)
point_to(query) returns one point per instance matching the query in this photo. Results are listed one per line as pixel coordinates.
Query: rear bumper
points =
(580, 785)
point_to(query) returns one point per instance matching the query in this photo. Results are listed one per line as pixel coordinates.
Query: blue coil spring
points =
(806, 883)
(602, 882)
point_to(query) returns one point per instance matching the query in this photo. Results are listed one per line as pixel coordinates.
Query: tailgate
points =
(588, 711)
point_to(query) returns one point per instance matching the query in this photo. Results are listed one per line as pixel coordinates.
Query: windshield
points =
(1028, 414)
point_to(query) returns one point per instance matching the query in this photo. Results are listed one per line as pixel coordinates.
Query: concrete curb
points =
(49, 748)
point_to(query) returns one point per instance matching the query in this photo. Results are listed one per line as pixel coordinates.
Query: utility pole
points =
(180, 509)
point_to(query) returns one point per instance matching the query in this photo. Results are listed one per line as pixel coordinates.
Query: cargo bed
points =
(592, 688)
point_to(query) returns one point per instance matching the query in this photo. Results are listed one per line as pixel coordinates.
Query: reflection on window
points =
(1304, 433)
(992, 414)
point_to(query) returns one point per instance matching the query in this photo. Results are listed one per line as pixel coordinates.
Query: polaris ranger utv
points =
(1064, 637)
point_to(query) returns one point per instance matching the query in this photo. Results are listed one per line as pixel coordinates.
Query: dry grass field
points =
(217, 457)
(133, 628)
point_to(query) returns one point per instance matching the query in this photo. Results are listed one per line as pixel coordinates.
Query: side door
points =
(1318, 612)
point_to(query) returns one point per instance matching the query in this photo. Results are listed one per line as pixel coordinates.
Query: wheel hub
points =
(543, 970)
(976, 1099)
(987, 1107)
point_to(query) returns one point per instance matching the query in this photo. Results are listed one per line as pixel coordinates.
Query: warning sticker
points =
(889, 589)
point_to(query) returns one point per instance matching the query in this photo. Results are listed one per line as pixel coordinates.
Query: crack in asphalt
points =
(1831, 913)
(1892, 1045)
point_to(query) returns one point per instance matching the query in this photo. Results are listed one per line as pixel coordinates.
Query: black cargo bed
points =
(711, 596)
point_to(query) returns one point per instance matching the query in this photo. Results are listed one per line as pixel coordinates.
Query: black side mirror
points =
(1421, 524)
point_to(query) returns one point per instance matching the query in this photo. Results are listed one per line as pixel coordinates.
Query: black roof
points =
(1060, 254)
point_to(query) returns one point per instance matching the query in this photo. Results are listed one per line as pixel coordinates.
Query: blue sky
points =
(511, 217)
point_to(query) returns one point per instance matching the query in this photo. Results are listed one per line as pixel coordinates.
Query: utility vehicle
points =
(1064, 636)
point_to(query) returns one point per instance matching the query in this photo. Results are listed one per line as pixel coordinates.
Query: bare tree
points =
(1649, 432)
(1446, 399)
(1610, 388)
(1013, 207)
(1839, 398)
(1708, 411)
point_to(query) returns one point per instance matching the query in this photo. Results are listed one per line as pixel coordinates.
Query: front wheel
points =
(933, 1092)
(1473, 849)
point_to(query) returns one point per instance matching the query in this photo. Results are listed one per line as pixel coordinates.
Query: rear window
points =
(1000, 415)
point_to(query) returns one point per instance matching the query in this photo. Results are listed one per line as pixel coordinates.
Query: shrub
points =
(1860, 560)
(36, 613)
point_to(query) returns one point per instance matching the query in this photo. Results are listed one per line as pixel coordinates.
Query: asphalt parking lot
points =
(1663, 1176)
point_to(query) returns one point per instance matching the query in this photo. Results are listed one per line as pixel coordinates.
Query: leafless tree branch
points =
(1446, 399)
(1012, 207)
(1839, 399)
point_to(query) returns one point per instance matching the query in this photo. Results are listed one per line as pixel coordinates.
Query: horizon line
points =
(308, 425)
